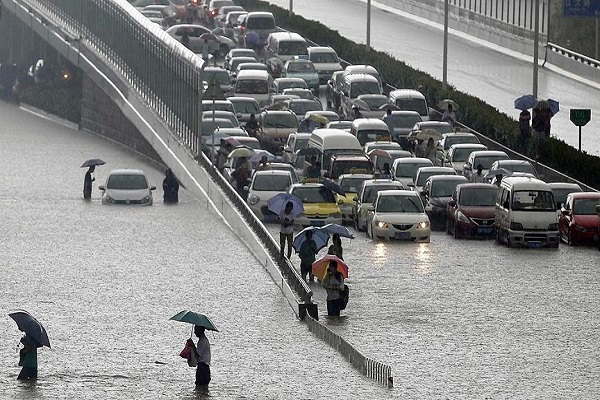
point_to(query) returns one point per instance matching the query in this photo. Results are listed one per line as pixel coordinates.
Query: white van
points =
(410, 100)
(370, 130)
(526, 214)
(254, 83)
(328, 142)
(285, 46)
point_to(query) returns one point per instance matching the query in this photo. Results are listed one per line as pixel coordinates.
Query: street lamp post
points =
(536, 41)
(445, 56)
(368, 25)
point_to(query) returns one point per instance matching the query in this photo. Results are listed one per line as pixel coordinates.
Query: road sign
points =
(580, 116)
(581, 8)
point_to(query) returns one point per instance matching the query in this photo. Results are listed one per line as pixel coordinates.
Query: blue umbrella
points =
(253, 38)
(31, 326)
(334, 187)
(320, 237)
(525, 102)
(554, 106)
(92, 162)
(339, 229)
(196, 319)
(277, 204)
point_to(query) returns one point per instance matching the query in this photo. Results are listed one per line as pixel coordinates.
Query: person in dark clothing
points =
(170, 187)
(203, 357)
(336, 247)
(308, 250)
(525, 127)
(252, 126)
(334, 286)
(28, 359)
(185, 39)
(87, 183)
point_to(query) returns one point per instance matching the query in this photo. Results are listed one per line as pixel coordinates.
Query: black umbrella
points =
(31, 326)
(92, 162)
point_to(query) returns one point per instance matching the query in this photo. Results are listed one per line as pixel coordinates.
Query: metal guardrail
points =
(574, 55)
(372, 369)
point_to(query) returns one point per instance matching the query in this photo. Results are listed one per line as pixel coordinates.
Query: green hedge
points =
(475, 113)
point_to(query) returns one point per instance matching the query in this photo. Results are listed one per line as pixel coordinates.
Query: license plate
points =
(485, 230)
(317, 223)
(534, 245)
(402, 235)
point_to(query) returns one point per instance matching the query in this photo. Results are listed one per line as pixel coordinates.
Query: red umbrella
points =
(320, 267)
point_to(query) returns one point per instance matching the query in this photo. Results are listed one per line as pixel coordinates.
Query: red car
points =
(471, 211)
(579, 221)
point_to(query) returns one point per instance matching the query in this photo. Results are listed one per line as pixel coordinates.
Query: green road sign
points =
(580, 116)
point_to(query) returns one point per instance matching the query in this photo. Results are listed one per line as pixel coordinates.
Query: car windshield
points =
(209, 106)
(560, 195)
(371, 192)
(478, 197)
(372, 135)
(405, 122)
(532, 200)
(409, 170)
(359, 88)
(426, 174)
(273, 183)
(318, 194)
(127, 182)
(352, 185)
(374, 102)
(461, 154)
(280, 121)
(486, 161)
(345, 167)
(324, 58)
(245, 107)
(208, 126)
(221, 77)
(250, 142)
(399, 204)
(260, 23)
(585, 206)
(444, 188)
(301, 66)
(451, 139)
(301, 107)
(252, 86)
(441, 127)
(328, 153)
(292, 48)
(521, 167)
(300, 84)
(418, 105)
(300, 144)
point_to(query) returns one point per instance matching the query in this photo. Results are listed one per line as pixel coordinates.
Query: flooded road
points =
(105, 280)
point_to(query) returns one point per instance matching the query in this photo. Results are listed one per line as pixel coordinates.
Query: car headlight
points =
(109, 200)
(253, 199)
(381, 224)
(146, 199)
(515, 226)
(423, 225)
(462, 217)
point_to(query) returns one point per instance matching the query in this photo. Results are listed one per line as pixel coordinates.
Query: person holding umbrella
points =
(286, 229)
(35, 336)
(203, 357)
(87, 182)
(334, 285)
(336, 246)
(307, 253)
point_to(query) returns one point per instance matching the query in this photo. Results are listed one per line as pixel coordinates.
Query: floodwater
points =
(105, 280)
(478, 68)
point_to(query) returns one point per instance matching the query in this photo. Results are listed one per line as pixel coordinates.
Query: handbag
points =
(344, 295)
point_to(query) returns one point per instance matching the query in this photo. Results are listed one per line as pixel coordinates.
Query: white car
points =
(266, 184)
(398, 214)
(127, 186)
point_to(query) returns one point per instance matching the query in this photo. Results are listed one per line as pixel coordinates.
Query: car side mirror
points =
(452, 203)
(101, 187)
(152, 187)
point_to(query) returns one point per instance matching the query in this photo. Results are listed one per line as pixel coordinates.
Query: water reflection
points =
(423, 260)
(379, 255)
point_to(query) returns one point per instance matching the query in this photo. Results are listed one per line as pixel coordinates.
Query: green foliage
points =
(56, 96)
(474, 112)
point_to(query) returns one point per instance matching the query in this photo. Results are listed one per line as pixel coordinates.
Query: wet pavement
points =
(105, 281)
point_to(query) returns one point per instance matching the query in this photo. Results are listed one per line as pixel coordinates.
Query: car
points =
(325, 60)
(231, 22)
(458, 153)
(221, 46)
(471, 211)
(316, 119)
(350, 184)
(353, 86)
(579, 222)
(441, 127)
(219, 76)
(437, 192)
(220, 19)
(237, 60)
(127, 186)
(211, 144)
(398, 214)
(304, 69)
(449, 139)
(343, 125)
(275, 127)
(238, 52)
(561, 190)
(217, 114)
(154, 15)
(379, 157)
(341, 164)
(333, 90)
(402, 123)
(404, 169)
(366, 196)
(260, 22)
(244, 107)
(370, 105)
(264, 185)
(210, 124)
(295, 142)
(248, 65)
(382, 145)
(410, 100)
(320, 206)
(217, 105)
(279, 84)
(363, 69)
(301, 106)
(484, 157)
(215, 5)
(422, 173)
(280, 166)
(515, 166)
(301, 93)
(370, 130)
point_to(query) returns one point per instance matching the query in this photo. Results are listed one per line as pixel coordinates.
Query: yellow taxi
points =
(350, 184)
(320, 205)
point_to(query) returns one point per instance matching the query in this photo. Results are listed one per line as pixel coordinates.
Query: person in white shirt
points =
(477, 177)
(449, 116)
(203, 356)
